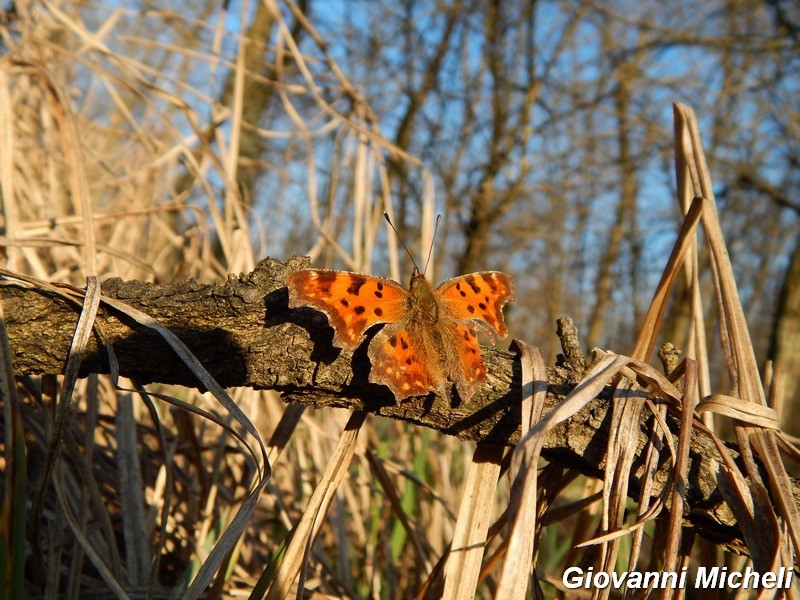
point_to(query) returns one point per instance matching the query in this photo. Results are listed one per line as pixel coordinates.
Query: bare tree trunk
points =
(626, 208)
(417, 97)
(510, 133)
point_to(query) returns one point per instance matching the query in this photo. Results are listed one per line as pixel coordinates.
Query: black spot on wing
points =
(475, 287)
(355, 286)
(326, 277)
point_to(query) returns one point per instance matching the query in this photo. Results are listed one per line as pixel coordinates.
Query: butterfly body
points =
(422, 303)
(429, 341)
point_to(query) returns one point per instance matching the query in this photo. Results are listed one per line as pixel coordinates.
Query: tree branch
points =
(244, 333)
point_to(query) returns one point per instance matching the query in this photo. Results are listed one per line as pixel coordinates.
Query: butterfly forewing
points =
(351, 301)
(479, 296)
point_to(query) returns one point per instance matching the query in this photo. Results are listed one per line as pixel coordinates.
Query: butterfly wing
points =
(404, 361)
(478, 296)
(413, 361)
(352, 302)
(466, 369)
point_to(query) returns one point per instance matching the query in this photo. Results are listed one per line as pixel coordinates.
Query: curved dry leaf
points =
(736, 408)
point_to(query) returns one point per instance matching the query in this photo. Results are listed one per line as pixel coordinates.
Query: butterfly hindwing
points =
(467, 369)
(401, 361)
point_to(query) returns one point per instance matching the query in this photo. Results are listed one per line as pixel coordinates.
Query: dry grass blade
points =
(283, 431)
(83, 330)
(648, 333)
(516, 568)
(469, 540)
(7, 180)
(70, 134)
(224, 545)
(522, 510)
(231, 535)
(49, 242)
(533, 394)
(105, 560)
(168, 483)
(79, 182)
(113, 580)
(645, 510)
(740, 354)
(534, 383)
(13, 508)
(205, 378)
(295, 558)
(739, 494)
(380, 473)
(680, 472)
(697, 347)
(132, 500)
(627, 405)
(86, 489)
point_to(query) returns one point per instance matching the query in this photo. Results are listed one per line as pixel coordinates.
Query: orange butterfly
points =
(430, 339)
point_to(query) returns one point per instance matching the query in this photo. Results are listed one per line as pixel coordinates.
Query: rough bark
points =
(244, 333)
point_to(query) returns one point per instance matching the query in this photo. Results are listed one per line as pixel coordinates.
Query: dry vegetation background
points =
(162, 142)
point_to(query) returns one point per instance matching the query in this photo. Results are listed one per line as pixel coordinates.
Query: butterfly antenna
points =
(389, 221)
(433, 239)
